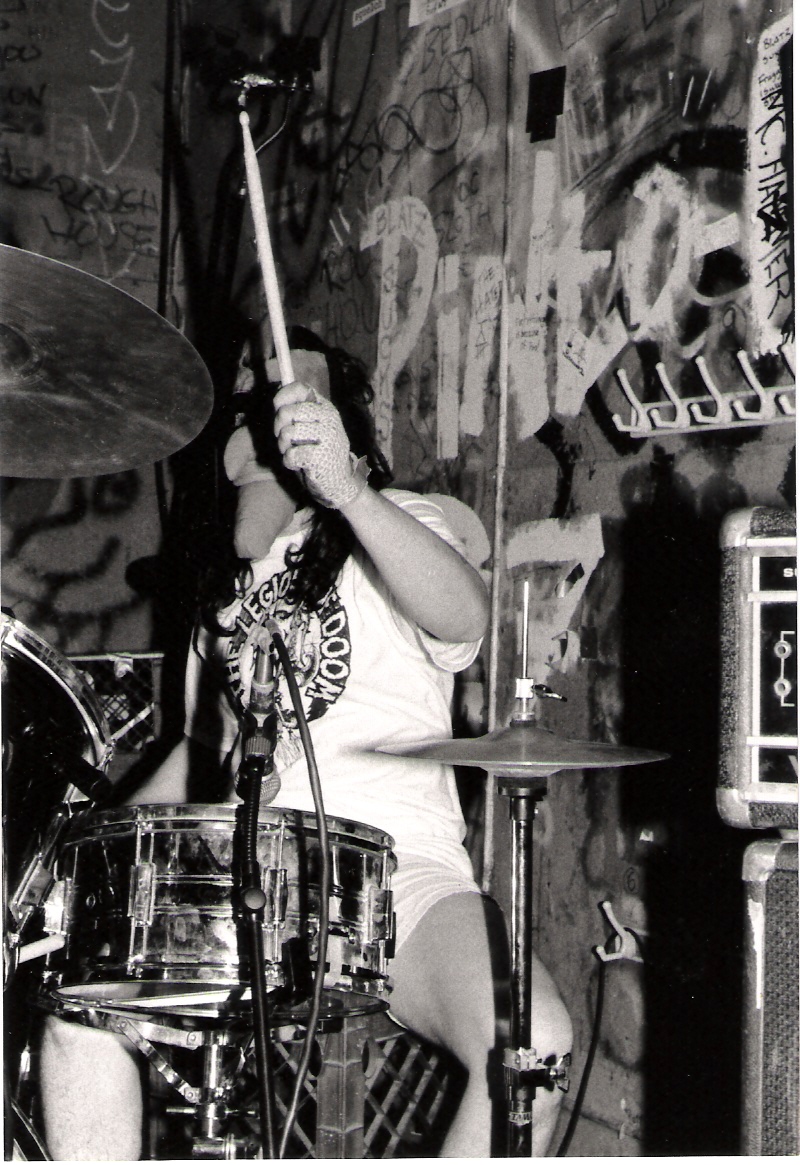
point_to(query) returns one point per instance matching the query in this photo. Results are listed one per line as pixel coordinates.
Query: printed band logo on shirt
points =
(318, 643)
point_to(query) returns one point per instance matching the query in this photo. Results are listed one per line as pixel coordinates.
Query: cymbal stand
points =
(524, 1069)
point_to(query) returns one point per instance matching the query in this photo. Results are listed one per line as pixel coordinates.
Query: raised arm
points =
(431, 582)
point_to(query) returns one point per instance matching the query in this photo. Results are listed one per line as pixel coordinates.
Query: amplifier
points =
(757, 783)
(771, 1047)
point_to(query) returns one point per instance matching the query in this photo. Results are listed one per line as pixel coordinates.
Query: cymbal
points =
(525, 746)
(92, 381)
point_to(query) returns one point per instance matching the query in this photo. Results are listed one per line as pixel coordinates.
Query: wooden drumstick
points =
(264, 249)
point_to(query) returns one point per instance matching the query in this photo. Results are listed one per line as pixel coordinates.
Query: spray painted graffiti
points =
(64, 557)
(405, 295)
(645, 274)
(402, 124)
(76, 142)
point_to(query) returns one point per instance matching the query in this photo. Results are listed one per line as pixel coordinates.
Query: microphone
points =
(92, 782)
(260, 729)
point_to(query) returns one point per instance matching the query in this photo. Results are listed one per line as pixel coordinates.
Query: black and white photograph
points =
(398, 580)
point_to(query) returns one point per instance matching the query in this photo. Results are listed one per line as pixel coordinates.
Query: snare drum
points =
(152, 919)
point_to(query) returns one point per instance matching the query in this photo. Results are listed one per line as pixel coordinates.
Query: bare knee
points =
(443, 988)
(551, 1026)
(91, 1094)
(76, 1042)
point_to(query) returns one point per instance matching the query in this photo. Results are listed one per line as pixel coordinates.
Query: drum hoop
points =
(224, 813)
(16, 635)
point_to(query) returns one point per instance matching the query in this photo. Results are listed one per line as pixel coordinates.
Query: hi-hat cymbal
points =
(523, 746)
(92, 381)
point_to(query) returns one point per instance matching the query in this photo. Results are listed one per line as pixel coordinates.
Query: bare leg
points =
(91, 1094)
(444, 989)
(551, 1036)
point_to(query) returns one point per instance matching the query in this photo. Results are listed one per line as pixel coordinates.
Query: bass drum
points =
(50, 717)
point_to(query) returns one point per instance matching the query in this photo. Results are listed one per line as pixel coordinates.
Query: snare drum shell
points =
(152, 896)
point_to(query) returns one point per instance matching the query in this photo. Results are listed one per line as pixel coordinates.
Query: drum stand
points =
(524, 1069)
(211, 1104)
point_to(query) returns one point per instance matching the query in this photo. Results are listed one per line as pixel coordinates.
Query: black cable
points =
(324, 889)
(268, 141)
(587, 1068)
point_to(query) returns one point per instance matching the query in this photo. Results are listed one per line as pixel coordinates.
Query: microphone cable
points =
(577, 1107)
(324, 889)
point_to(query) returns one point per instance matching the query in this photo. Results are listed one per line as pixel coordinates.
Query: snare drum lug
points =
(379, 915)
(276, 888)
(58, 905)
(141, 896)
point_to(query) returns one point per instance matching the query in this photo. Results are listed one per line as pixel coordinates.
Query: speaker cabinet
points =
(757, 782)
(771, 1072)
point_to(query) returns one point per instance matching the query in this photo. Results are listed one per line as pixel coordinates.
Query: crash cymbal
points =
(525, 746)
(92, 381)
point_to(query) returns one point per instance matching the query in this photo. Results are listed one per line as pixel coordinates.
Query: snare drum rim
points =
(17, 636)
(162, 816)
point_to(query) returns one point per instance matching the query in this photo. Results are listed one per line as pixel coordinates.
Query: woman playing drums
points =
(378, 610)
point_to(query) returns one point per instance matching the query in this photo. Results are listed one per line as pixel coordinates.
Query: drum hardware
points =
(525, 787)
(257, 762)
(212, 1104)
(56, 744)
(115, 869)
(151, 906)
(55, 738)
(83, 370)
(180, 962)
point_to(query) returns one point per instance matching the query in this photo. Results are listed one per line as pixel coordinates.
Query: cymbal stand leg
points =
(524, 1070)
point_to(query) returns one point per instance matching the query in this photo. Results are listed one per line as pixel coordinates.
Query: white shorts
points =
(419, 883)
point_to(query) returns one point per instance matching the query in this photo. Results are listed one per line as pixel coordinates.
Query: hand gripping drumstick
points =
(264, 249)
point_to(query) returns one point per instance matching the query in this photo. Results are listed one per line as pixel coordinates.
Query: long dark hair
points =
(330, 541)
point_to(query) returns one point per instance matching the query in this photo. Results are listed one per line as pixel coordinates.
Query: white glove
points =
(313, 442)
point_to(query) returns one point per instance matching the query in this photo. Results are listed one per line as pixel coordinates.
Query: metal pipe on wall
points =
(498, 556)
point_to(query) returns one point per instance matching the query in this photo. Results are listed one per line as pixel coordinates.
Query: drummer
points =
(378, 609)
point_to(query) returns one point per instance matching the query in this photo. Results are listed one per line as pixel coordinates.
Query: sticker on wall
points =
(448, 344)
(421, 10)
(527, 325)
(366, 11)
(400, 220)
(581, 355)
(767, 204)
(545, 103)
(487, 286)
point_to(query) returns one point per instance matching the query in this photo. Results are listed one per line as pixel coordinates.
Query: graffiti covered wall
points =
(632, 185)
(81, 109)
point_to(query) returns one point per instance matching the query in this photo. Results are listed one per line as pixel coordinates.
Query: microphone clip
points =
(259, 724)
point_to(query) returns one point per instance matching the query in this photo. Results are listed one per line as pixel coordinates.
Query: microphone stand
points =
(260, 734)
